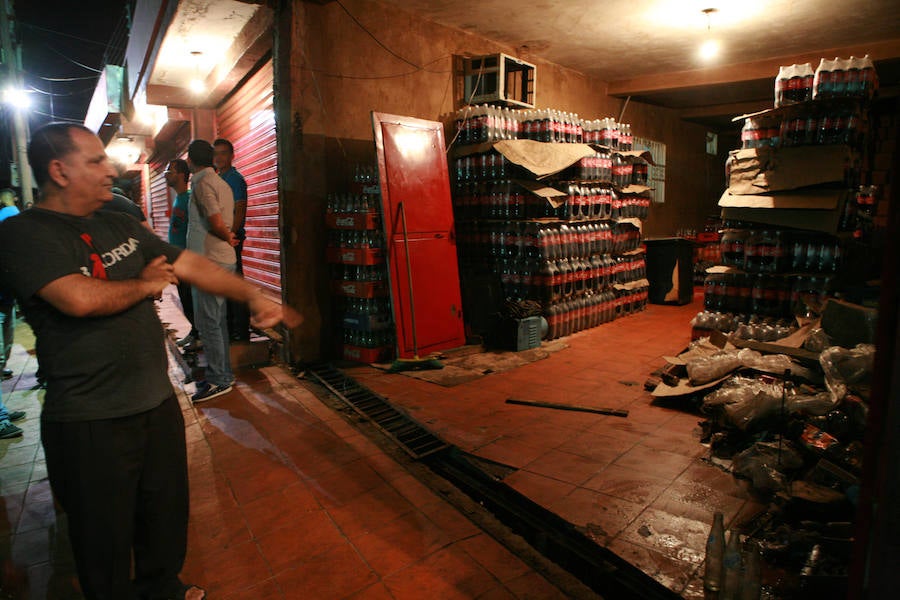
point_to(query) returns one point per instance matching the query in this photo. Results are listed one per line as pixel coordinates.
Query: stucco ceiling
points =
(648, 49)
(620, 39)
(200, 34)
(644, 49)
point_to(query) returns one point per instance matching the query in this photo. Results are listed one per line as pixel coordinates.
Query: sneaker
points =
(207, 391)
(16, 415)
(7, 373)
(8, 430)
(196, 345)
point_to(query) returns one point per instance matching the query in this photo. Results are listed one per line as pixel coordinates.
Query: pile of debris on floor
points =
(788, 418)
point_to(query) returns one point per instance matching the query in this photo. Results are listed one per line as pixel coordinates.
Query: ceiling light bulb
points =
(709, 49)
(197, 86)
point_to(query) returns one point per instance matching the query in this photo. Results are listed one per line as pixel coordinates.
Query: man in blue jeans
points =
(210, 216)
(238, 317)
(7, 429)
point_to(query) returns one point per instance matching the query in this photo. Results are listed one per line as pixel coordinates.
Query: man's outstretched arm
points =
(192, 268)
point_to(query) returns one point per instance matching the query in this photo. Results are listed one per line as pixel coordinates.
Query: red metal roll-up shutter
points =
(248, 121)
(159, 200)
(161, 195)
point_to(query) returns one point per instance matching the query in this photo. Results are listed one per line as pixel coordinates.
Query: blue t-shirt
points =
(8, 211)
(238, 189)
(178, 220)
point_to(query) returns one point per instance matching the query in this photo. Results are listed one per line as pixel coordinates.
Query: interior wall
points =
(402, 64)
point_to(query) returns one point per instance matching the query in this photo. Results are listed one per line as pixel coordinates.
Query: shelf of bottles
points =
(773, 275)
(769, 270)
(821, 107)
(355, 252)
(580, 255)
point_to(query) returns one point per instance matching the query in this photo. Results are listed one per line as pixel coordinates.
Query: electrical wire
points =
(72, 60)
(56, 117)
(468, 108)
(304, 56)
(386, 49)
(624, 106)
(371, 35)
(118, 40)
(74, 37)
(324, 73)
(59, 79)
(60, 95)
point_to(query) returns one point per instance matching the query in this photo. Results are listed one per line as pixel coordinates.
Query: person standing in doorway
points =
(8, 209)
(210, 217)
(177, 175)
(238, 318)
(7, 428)
(111, 425)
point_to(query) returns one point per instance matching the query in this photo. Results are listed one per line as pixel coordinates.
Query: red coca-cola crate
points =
(364, 188)
(354, 256)
(708, 237)
(366, 355)
(356, 221)
(367, 322)
(359, 289)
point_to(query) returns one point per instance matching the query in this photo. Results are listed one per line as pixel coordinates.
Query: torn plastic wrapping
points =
(708, 368)
(846, 369)
(811, 404)
(772, 363)
(745, 401)
(817, 341)
(765, 464)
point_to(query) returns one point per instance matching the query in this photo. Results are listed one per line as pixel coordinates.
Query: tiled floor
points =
(637, 485)
(289, 500)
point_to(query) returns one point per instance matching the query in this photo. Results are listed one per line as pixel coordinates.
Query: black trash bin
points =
(670, 270)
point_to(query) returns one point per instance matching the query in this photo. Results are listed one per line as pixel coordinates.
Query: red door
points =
(412, 168)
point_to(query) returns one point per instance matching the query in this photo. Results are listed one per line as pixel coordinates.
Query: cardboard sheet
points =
(818, 199)
(766, 170)
(541, 158)
(684, 388)
(815, 210)
(631, 285)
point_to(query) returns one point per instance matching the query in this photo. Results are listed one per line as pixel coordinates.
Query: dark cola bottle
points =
(565, 275)
(565, 241)
(551, 282)
(551, 315)
(596, 272)
(553, 243)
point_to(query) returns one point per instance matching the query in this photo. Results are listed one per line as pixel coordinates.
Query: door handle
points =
(439, 235)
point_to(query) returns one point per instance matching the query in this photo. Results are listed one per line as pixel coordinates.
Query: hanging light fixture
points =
(197, 85)
(710, 47)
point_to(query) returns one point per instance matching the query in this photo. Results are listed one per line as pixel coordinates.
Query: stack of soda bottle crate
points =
(775, 267)
(356, 255)
(575, 245)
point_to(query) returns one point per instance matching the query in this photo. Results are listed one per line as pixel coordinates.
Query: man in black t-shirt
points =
(111, 426)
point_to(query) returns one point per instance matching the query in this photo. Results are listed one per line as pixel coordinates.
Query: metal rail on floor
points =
(558, 540)
(412, 437)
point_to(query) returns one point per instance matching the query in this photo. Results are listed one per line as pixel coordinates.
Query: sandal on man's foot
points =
(192, 592)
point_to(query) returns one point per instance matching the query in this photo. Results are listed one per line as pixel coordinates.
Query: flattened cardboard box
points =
(815, 210)
(764, 170)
